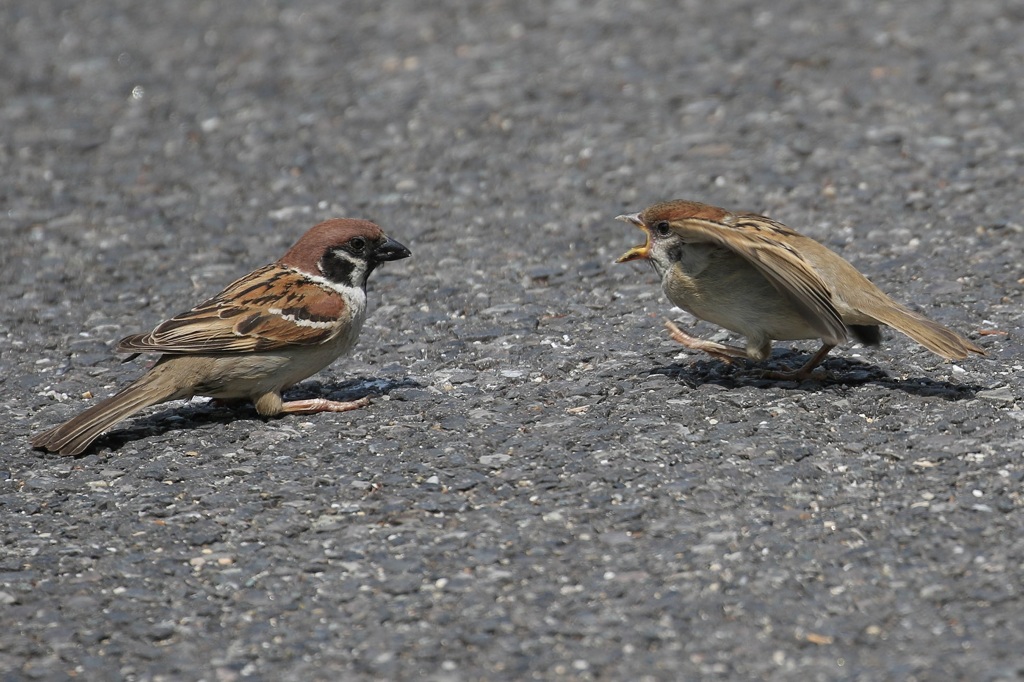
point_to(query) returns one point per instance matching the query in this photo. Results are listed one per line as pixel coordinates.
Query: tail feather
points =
(75, 435)
(930, 334)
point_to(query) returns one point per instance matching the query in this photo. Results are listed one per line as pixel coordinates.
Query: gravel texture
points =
(545, 486)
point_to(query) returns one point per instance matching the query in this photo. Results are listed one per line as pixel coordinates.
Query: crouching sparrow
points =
(265, 332)
(761, 279)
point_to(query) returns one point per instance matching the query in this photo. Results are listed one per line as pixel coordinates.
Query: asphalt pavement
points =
(544, 485)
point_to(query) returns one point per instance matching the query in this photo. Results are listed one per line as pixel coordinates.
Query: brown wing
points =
(270, 308)
(755, 238)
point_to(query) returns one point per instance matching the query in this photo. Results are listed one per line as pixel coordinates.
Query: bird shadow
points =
(193, 415)
(837, 372)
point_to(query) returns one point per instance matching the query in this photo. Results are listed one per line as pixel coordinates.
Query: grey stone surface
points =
(544, 487)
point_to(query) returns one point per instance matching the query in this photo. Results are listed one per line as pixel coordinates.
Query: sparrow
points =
(265, 332)
(757, 277)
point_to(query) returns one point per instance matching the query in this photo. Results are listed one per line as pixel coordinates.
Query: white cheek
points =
(660, 260)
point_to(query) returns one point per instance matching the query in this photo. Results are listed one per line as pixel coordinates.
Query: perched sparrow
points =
(761, 279)
(265, 332)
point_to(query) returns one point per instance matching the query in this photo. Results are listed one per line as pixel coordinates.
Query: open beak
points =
(637, 252)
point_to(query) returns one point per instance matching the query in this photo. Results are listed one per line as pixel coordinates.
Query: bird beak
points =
(391, 250)
(637, 252)
(631, 218)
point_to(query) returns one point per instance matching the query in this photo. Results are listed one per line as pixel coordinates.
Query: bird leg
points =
(314, 405)
(719, 351)
(804, 372)
(727, 354)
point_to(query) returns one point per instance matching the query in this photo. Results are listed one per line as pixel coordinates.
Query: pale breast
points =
(726, 290)
(249, 375)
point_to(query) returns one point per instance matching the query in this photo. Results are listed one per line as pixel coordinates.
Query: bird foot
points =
(315, 405)
(795, 375)
(719, 351)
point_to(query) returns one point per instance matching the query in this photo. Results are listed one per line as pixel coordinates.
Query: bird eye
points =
(357, 244)
(663, 228)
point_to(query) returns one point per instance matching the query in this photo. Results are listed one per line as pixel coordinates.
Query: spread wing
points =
(755, 239)
(271, 308)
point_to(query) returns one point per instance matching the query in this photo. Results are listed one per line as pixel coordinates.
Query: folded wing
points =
(271, 308)
(754, 238)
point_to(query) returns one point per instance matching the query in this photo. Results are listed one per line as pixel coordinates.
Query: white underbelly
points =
(251, 375)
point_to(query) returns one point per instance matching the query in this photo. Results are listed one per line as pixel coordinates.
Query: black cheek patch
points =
(675, 253)
(337, 268)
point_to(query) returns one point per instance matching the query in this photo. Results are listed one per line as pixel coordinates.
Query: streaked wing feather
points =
(753, 238)
(271, 308)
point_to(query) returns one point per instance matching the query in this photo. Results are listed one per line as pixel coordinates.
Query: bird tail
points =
(75, 435)
(930, 334)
